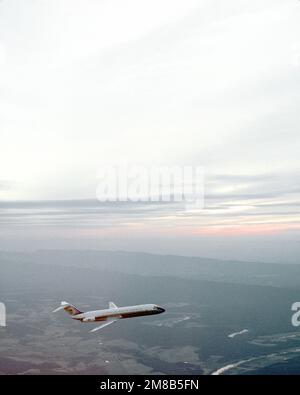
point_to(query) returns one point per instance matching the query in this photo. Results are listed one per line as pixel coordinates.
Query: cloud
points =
(6, 185)
(231, 202)
(196, 80)
(209, 83)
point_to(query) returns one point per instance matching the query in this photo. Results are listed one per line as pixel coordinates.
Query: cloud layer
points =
(202, 83)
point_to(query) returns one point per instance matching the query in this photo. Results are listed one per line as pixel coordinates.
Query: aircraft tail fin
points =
(69, 308)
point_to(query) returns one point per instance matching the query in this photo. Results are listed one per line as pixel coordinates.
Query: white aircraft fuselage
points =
(110, 315)
(119, 312)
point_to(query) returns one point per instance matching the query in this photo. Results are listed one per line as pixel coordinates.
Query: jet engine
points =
(89, 319)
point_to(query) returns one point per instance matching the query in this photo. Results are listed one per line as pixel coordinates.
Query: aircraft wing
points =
(108, 322)
(112, 305)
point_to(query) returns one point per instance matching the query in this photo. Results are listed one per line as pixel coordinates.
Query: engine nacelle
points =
(89, 319)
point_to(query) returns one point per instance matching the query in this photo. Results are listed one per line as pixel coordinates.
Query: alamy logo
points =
(2, 314)
(296, 316)
(152, 184)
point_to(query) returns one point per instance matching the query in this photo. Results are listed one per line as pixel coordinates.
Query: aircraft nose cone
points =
(162, 310)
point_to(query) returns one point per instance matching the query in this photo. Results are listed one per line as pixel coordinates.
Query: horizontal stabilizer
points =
(59, 308)
(69, 308)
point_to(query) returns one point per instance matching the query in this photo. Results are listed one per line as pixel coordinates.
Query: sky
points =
(188, 83)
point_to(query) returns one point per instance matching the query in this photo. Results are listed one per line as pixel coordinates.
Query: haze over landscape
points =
(90, 85)
(221, 317)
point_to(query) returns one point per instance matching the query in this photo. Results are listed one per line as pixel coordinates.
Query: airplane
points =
(110, 315)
